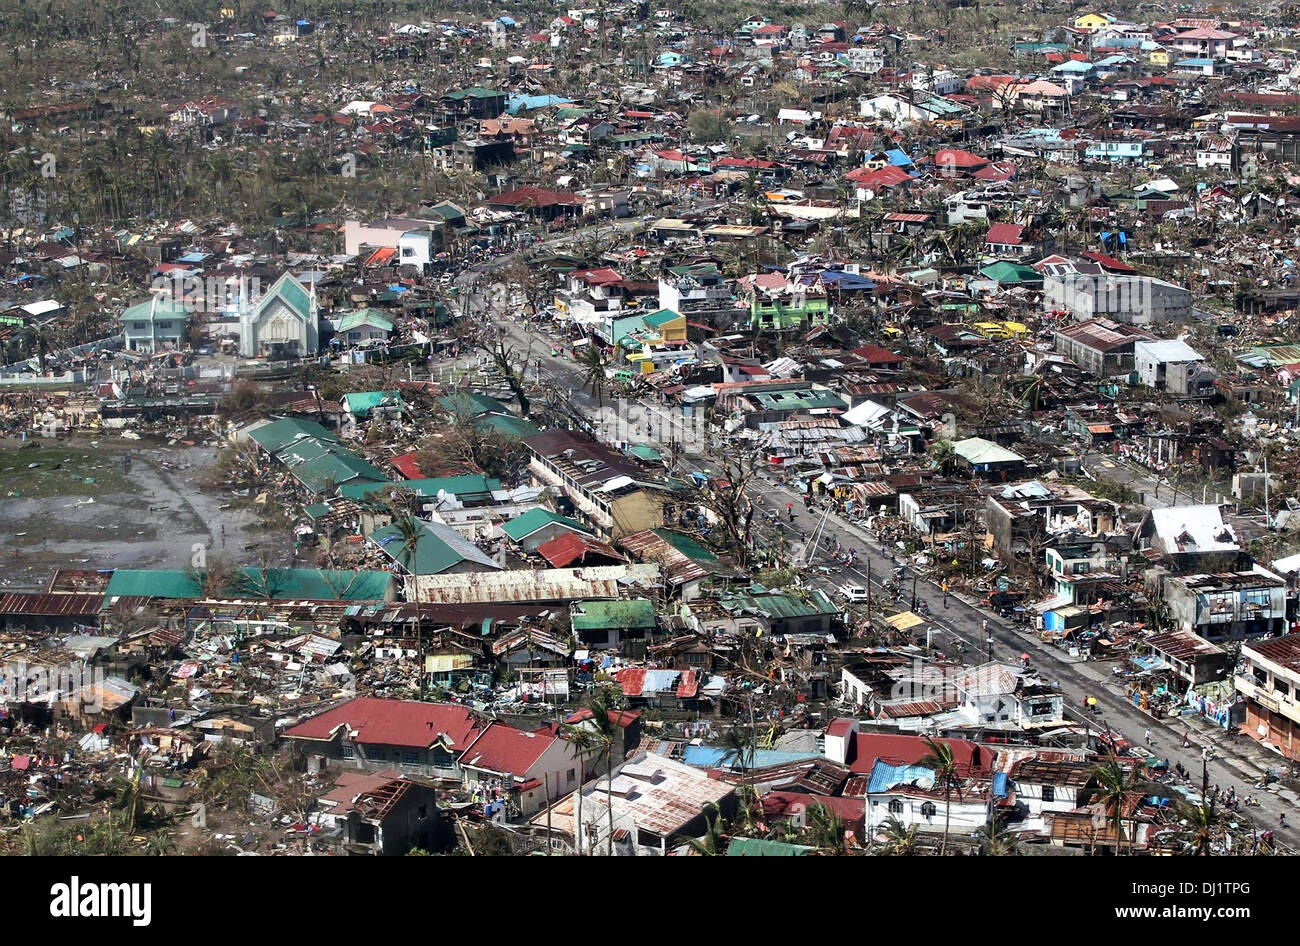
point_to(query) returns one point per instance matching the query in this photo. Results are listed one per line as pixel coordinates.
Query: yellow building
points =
(670, 325)
(1159, 57)
(1090, 22)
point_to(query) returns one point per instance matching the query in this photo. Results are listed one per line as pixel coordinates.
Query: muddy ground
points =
(79, 507)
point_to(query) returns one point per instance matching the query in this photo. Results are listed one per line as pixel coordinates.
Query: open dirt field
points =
(75, 505)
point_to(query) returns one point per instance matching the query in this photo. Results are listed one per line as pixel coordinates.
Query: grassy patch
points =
(59, 471)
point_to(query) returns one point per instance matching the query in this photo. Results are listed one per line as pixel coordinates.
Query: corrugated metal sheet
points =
(551, 584)
(50, 604)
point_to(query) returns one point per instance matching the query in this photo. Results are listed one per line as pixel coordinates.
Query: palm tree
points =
(738, 748)
(583, 741)
(942, 453)
(826, 830)
(593, 366)
(947, 775)
(714, 841)
(1202, 823)
(410, 531)
(607, 733)
(1113, 787)
(900, 839)
(994, 841)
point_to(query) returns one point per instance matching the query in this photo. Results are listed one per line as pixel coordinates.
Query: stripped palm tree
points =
(411, 531)
(593, 365)
(1202, 824)
(583, 741)
(994, 841)
(603, 715)
(947, 775)
(739, 748)
(1114, 785)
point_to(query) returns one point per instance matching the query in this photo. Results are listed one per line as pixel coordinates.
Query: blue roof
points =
(847, 280)
(898, 157)
(192, 258)
(1194, 62)
(1000, 785)
(709, 757)
(885, 776)
(516, 102)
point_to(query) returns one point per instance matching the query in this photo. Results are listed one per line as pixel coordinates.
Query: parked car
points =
(854, 593)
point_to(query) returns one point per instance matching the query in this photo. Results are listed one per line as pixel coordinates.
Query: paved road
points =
(962, 621)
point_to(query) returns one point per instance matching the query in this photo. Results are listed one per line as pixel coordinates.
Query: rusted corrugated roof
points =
(50, 604)
(632, 680)
(546, 584)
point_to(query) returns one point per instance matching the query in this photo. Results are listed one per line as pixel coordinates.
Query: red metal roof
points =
(876, 355)
(1004, 233)
(1109, 262)
(570, 547)
(688, 685)
(534, 197)
(50, 604)
(888, 176)
(392, 723)
(782, 804)
(620, 718)
(956, 158)
(381, 256)
(502, 748)
(405, 464)
(632, 680)
(868, 748)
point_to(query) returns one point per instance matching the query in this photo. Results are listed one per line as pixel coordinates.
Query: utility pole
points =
(1265, 490)
(868, 557)
(914, 577)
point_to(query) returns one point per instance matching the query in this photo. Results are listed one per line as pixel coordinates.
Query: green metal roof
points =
(364, 317)
(525, 525)
(337, 468)
(154, 583)
(465, 402)
(624, 613)
(762, 847)
(288, 289)
(1004, 271)
(466, 486)
(280, 433)
(507, 424)
(777, 605)
(362, 403)
(687, 545)
(660, 318)
(438, 549)
(281, 584)
(152, 309)
(643, 451)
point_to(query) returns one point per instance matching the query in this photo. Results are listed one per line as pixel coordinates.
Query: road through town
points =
(961, 620)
